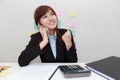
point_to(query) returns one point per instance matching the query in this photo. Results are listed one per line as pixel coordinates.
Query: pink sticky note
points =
(72, 24)
(59, 12)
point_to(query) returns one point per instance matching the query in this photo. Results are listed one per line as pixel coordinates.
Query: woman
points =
(50, 43)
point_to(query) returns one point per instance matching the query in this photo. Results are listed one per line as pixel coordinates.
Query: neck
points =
(51, 32)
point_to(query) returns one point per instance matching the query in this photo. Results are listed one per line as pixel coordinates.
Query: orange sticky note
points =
(4, 67)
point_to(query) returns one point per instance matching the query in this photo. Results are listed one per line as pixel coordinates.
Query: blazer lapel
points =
(59, 50)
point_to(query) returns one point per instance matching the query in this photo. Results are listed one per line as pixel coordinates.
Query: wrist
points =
(68, 46)
(43, 44)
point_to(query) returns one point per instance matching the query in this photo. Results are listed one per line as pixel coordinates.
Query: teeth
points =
(51, 23)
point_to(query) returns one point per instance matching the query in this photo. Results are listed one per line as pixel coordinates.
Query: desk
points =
(42, 71)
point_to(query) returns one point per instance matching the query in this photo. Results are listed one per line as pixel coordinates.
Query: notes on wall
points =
(72, 13)
(71, 24)
(59, 12)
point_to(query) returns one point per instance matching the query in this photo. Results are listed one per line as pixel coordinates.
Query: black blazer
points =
(33, 50)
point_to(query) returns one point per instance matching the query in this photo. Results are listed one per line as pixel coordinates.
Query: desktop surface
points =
(42, 71)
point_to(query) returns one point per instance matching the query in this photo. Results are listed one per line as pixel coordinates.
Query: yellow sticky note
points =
(4, 73)
(30, 33)
(73, 13)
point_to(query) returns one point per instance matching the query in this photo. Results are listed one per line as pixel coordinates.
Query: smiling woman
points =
(50, 43)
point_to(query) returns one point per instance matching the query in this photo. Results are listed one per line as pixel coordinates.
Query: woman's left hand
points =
(67, 39)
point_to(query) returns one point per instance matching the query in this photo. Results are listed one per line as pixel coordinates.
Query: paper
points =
(3, 71)
(59, 23)
(72, 13)
(35, 26)
(35, 73)
(4, 67)
(72, 24)
(73, 33)
(59, 12)
(30, 33)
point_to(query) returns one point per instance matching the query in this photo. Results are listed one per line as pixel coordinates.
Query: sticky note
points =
(30, 33)
(72, 24)
(59, 12)
(73, 33)
(4, 73)
(35, 26)
(72, 13)
(59, 23)
(4, 67)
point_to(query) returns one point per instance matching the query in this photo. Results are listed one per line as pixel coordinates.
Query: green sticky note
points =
(35, 26)
(73, 33)
(59, 23)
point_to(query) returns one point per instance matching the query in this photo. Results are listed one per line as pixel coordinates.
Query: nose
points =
(50, 18)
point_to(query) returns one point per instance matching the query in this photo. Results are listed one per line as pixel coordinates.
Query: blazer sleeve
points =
(71, 54)
(31, 51)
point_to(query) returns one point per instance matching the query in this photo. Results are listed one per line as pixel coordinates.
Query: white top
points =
(42, 71)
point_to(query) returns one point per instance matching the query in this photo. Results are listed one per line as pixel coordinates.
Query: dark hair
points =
(40, 11)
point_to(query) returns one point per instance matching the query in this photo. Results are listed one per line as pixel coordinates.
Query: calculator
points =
(71, 71)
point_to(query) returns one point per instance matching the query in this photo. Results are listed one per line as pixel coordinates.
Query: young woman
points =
(50, 43)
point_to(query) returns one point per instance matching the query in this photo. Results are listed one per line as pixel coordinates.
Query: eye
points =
(52, 13)
(44, 16)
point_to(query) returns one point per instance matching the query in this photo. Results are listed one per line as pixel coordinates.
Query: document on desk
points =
(35, 72)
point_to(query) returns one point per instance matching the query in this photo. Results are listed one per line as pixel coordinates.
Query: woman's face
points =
(49, 20)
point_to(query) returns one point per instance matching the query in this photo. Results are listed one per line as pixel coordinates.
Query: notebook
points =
(108, 68)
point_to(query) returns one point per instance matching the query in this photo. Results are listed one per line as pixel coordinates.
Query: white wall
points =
(97, 26)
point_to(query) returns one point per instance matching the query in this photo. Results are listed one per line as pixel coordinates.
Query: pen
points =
(1, 69)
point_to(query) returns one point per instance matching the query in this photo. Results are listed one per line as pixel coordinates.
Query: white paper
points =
(35, 73)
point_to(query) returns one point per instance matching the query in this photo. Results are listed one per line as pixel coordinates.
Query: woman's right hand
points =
(44, 33)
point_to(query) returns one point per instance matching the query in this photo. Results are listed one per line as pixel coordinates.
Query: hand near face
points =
(67, 39)
(44, 33)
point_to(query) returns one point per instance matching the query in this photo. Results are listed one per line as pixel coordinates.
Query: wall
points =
(96, 30)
